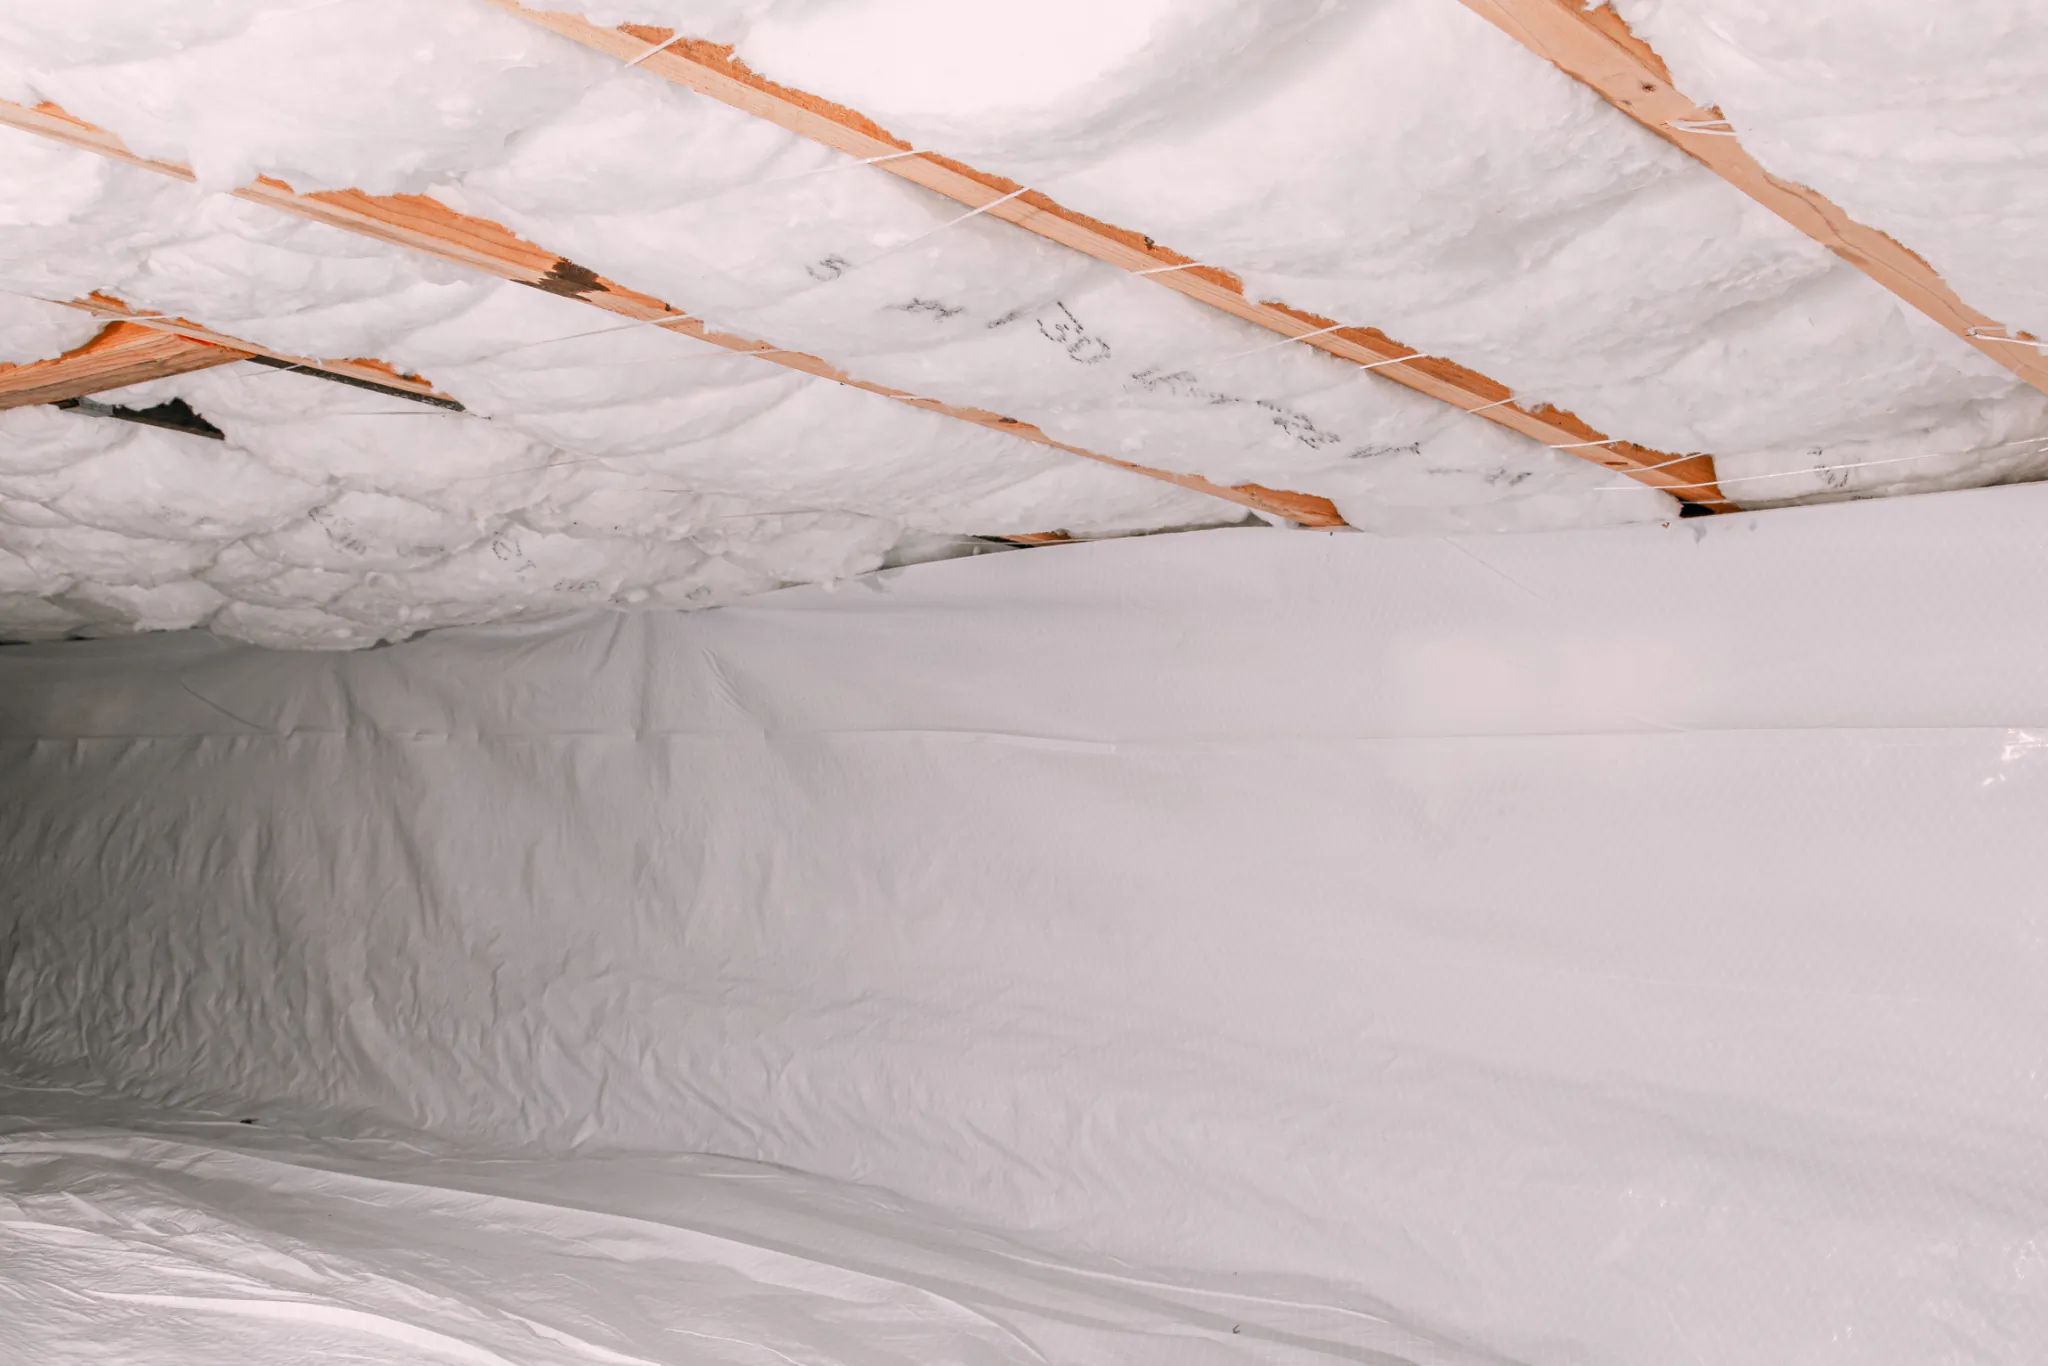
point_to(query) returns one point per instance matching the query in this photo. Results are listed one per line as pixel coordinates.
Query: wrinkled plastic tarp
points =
(1597, 947)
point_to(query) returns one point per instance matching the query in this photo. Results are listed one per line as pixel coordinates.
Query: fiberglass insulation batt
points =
(1582, 948)
(1399, 164)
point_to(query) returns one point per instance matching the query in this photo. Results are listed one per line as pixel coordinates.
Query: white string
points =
(828, 170)
(573, 336)
(661, 46)
(1717, 128)
(954, 222)
(1582, 445)
(1497, 403)
(1395, 360)
(1185, 265)
(908, 242)
(1284, 341)
(1979, 334)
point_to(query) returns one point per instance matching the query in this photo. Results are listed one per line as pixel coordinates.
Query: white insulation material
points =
(1924, 121)
(33, 330)
(1395, 164)
(761, 231)
(1400, 164)
(1582, 948)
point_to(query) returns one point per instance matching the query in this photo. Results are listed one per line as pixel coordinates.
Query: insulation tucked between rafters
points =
(425, 225)
(120, 354)
(1597, 47)
(711, 69)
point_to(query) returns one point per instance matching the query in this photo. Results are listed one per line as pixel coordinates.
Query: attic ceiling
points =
(673, 301)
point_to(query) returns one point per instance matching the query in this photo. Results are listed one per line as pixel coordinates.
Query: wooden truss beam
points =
(136, 346)
(711, 69)
(1597, 47)
(428, 226)
(360, 372)
(119, 355)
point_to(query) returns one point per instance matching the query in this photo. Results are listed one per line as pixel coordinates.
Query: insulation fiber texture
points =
(1573, 949)
(1399, 164)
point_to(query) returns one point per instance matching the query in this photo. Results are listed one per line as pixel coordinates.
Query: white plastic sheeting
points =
(187, 1245)
(1566, 948)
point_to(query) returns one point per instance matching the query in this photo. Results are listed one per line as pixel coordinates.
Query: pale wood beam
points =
(711, 69)
(428, 226)
(118, 355)
(1597, 47)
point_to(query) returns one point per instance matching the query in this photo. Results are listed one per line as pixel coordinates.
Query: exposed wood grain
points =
(120, 354)
(1597, 47)
(428, 226)
(373, 373)
(713, 70)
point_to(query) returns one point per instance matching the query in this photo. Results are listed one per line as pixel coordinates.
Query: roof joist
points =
(1597, 47)
(119, 355)
(428, 226)
(137, 346)
(711, 69)
(360, 372)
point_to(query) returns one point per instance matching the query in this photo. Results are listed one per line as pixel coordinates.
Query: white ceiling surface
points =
(1399, 164)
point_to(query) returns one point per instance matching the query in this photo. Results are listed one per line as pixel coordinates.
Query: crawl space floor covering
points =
(944, 800)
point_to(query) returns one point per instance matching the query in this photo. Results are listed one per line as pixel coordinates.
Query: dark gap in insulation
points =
(174, 416)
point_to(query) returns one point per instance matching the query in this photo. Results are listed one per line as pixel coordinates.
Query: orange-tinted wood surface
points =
(120, 354)
(365, 370)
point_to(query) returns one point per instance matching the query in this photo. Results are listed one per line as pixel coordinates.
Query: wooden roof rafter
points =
(360, 372)
(136, 346)
(421, 224)
(712, 69)
(1596, 47)
(118, 355)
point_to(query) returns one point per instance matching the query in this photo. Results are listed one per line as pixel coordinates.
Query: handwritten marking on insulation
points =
(938, 310)
(1064, 329)
(1069, 334)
